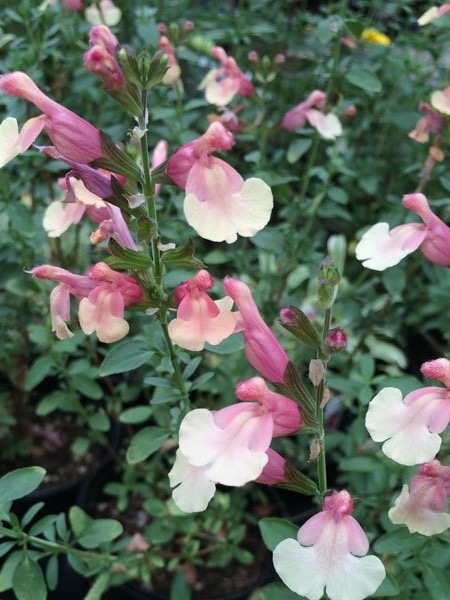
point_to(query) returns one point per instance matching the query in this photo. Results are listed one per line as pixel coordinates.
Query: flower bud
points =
(295, 321)
(335, 341)
(328, 283)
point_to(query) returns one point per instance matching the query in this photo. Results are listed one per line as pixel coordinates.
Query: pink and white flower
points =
(262, 349)
(380, 248)
(102, 293)
(329, 555)
(440, 100)
(431, 122)
(410, 426)
(433, 13)
(328, 125)
(423, 507)
(106, 12)
(12, 142)
(219, 204)
(229, 446)
(221, 85)
(199, 318)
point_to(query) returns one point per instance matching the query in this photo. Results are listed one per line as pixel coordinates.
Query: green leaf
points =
(98, 588)
(363, 79)
(8, 568)
(20, 482)
(51, 572)
(137, 414)
(28, 581)
(38, 371)
(126, 356)
(355, 27)
(144, 443)
(274, 530)
(31, 513)
(87, 387)
(234, 343)
(57, 400)
(125, 258)
(277, 591)
(99, 421)
(92, 532)
(388, 588)
(397, 541)
(182, 256)
(437, 582)
(180, 589)
(297, 148)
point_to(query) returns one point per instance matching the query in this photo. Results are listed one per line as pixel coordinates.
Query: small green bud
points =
(328, 283)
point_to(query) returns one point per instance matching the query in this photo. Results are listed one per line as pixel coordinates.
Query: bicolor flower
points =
(219, 204)
(71, 135)
(105, 12)
(423, 507)
(329, 555)
(221, 85)
(200, 319)
(102, 294)
(310, 111)
(380, 248)
(440, 100)
(431, 122)
(172, 75)
(262, 349)
(433, 13)
(158, 157)
(229, 446)
(12, 142)
(410, 426)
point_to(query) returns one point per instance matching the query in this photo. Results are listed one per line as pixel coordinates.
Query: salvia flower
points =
(219, 204)
(380, 248)
(200, 319)
(102, 294)
(12, 142)
(71, 135)
(440, 100)
(431, 122)
(221, 85)
(106, 12)
(310, 111)
(410, 426)
(329, 555)
(423, 506)
(229, 446)
(432, 14)
(262, 349)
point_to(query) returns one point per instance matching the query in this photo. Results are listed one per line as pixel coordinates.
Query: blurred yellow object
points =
(376, 37)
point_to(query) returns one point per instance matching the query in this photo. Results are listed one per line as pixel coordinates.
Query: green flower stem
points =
(321, 459)
(149, 193)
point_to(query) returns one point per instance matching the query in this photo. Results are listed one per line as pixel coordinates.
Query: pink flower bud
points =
(336, 340)
(253, 56)
(437, 369)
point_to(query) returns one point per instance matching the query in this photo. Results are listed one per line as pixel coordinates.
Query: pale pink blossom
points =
(79, 200)
(102, 294)
(173, 72)
(380, 248)
(73, 5)
(228, 446)
(409, 426)
(12, 142)
(158, 157)
(329, 555)
(440, 101)
(72, 136)
(200, 319)
(221, 85)
(431, 122)
(423, 507)
(106, 13)
(433, 13)
(262, 349)
(219, 204)
(328, 125)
